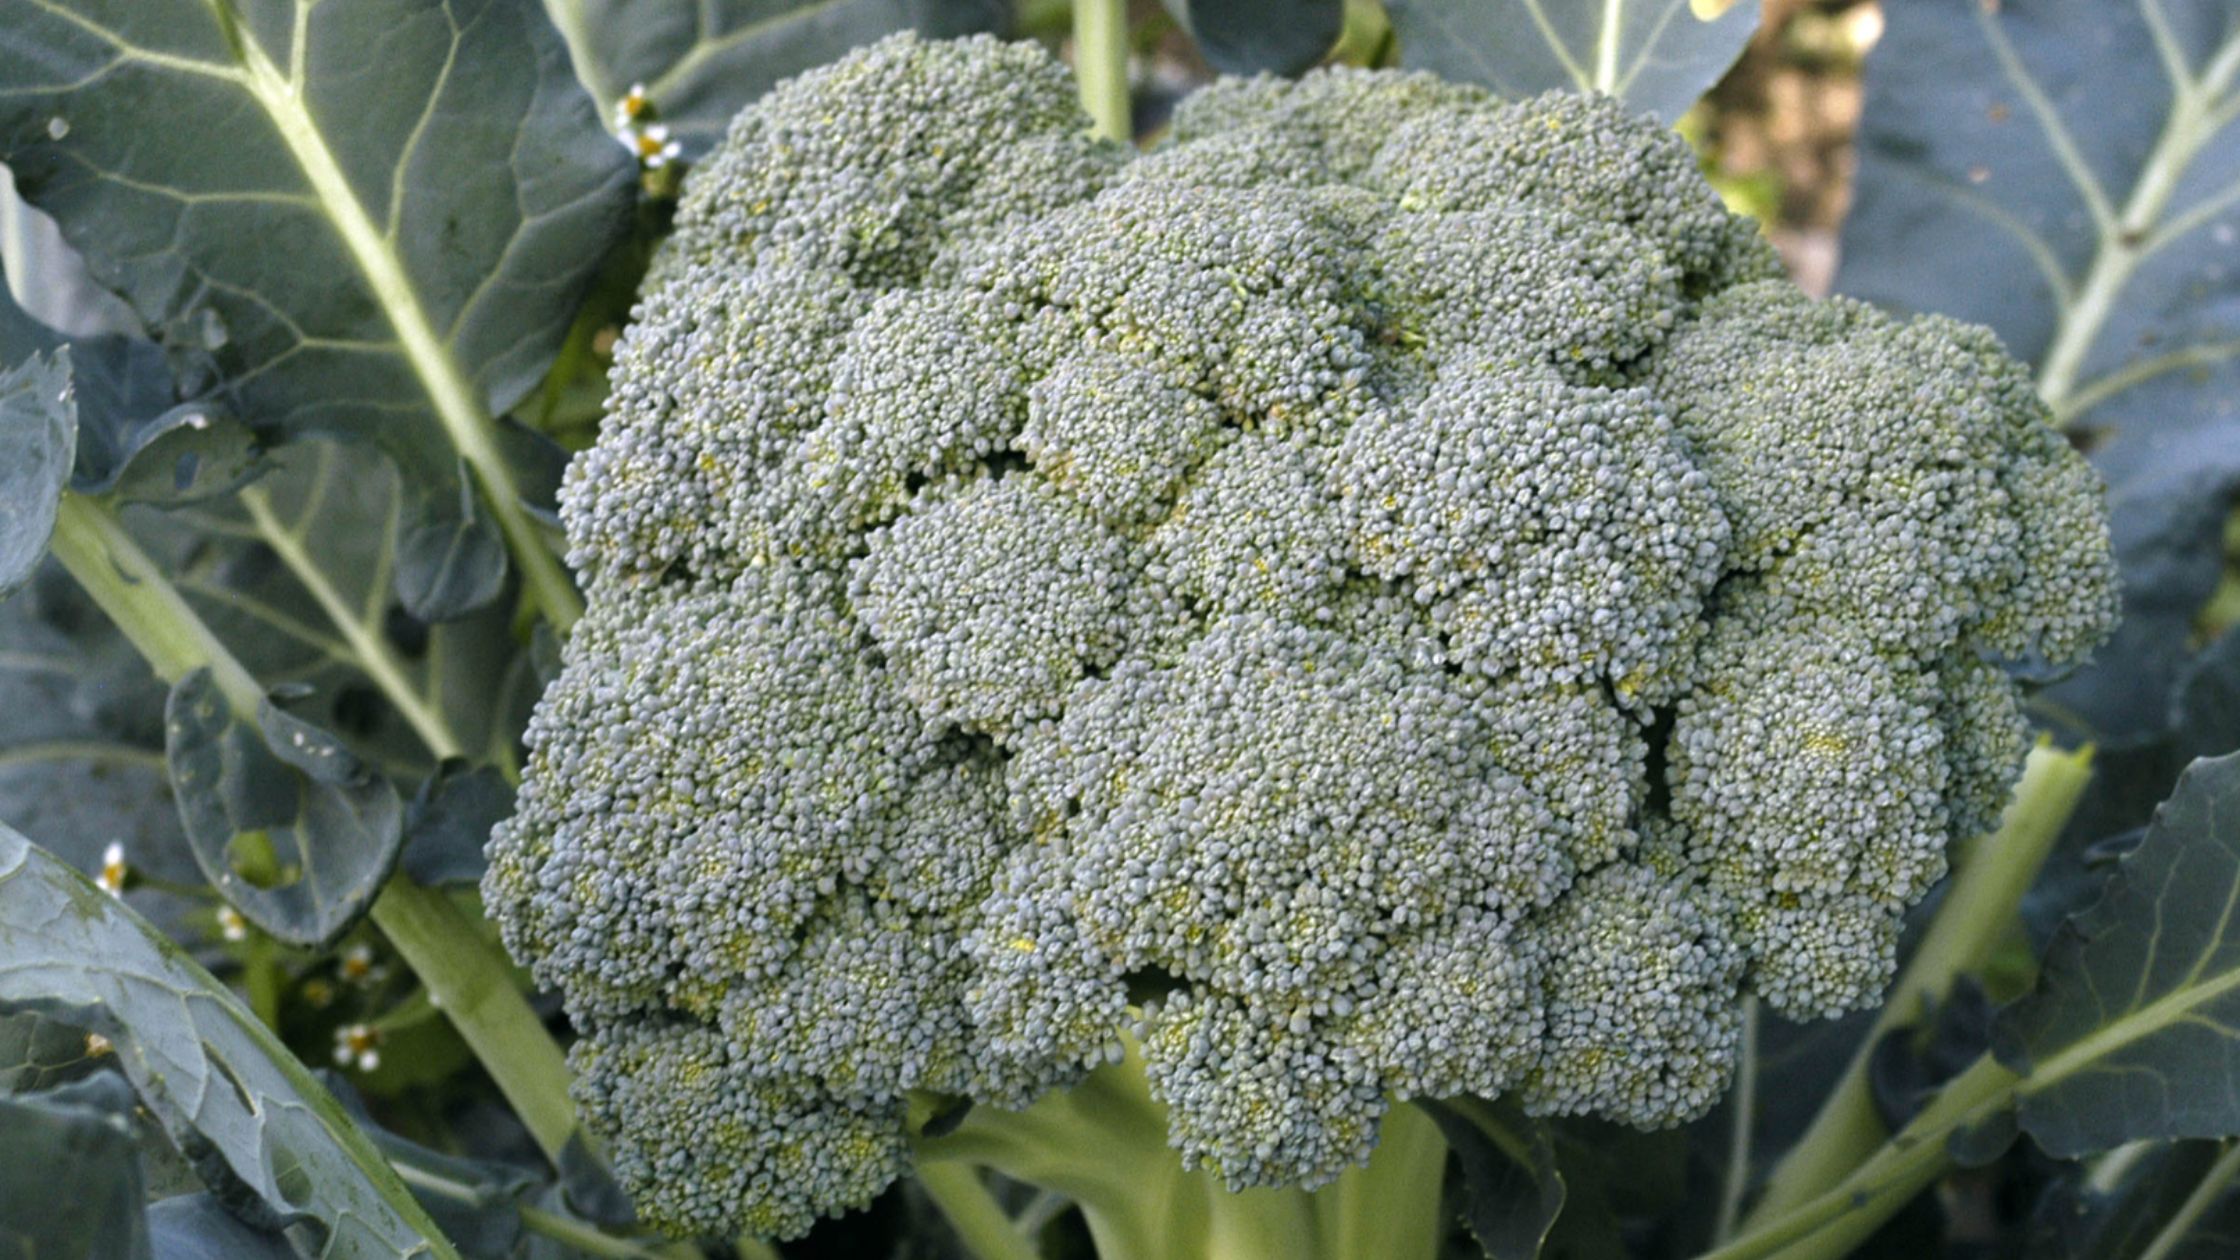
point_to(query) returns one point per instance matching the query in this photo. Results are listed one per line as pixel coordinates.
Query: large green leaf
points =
(1511, 1190)
(2134, 1029)
(2067, 172)
(702, 63)
(38, 440)
(1251, 36)
(220, 1082)
(1656, 55)
(70, 1184)
(372, 219)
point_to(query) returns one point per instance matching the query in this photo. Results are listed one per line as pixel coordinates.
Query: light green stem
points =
(1100, 65)
(463, 972)
(1978, 909)
(1388, 1209)
(987, 1232)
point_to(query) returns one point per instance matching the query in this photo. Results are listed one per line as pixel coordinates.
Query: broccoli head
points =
(1388, 594)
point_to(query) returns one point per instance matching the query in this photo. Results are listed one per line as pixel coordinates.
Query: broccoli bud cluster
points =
(1388, 594)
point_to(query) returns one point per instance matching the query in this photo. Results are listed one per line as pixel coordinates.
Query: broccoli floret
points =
(1383, 596)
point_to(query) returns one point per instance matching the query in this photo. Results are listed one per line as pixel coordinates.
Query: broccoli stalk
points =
(1103, 1144)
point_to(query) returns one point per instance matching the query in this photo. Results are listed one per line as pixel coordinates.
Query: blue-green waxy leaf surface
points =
(334, 826)
(2134, 1029)
(702, 63)
(1656, 55)
(70, 1186)
(1251, 36)
(1512, 1191)
(269, 1138)
(2068, 172)
(38, 440)
(371, 218)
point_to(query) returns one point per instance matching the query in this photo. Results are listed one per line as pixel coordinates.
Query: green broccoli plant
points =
(1047, 629)
(1386, 595)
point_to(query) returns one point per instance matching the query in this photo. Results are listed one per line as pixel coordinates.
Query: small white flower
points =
(231, 925)
(654, 147)
(357, 966)
(113, 869)
(357, 1045)
(630, 108)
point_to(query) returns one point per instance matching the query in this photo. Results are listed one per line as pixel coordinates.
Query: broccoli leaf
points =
(1511, 1191)
(1656, 55)
(388, 256)
(220, 1082)
(2082, 1217)
(38, 439)
(81, 741)
(1251, 36)
(701, 63)
(2078, 156)
(78, 1138)
(198, 1227)
(2131, 1031)
(332, 827)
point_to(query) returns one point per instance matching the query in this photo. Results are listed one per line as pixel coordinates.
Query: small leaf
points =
(449, 821)
(70, 1183)
(38, 442)
(700, 64)
(335, 841)
(1657, 56)
(1512, 1192)
(2132, 1030)
(2065, 171)
(216, 1078)
(452, 562)
(1252, 36)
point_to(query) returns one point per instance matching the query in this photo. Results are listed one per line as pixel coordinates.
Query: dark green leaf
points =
(2115, 1213)
(81, 740)
(219, 1081)
(1656, 55)
(450, 820)
(70, 1184)
(1251, 36)
(702, 63)
(451, 563)
(336, 840)
(476, 1202)
(133, 437)
(334, 513)
(42, 1049)
(1511, 1191)
(390, 255)
(2132, 1029)
(2065, 171)
(38, 440)
(198, 1227)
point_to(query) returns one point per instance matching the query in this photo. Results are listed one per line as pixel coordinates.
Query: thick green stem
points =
(1978, 909)
(986, 1231)
(464, 972)
(1100, 65)
(1388, 1209)
(468, 978)
(1832, 1223)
